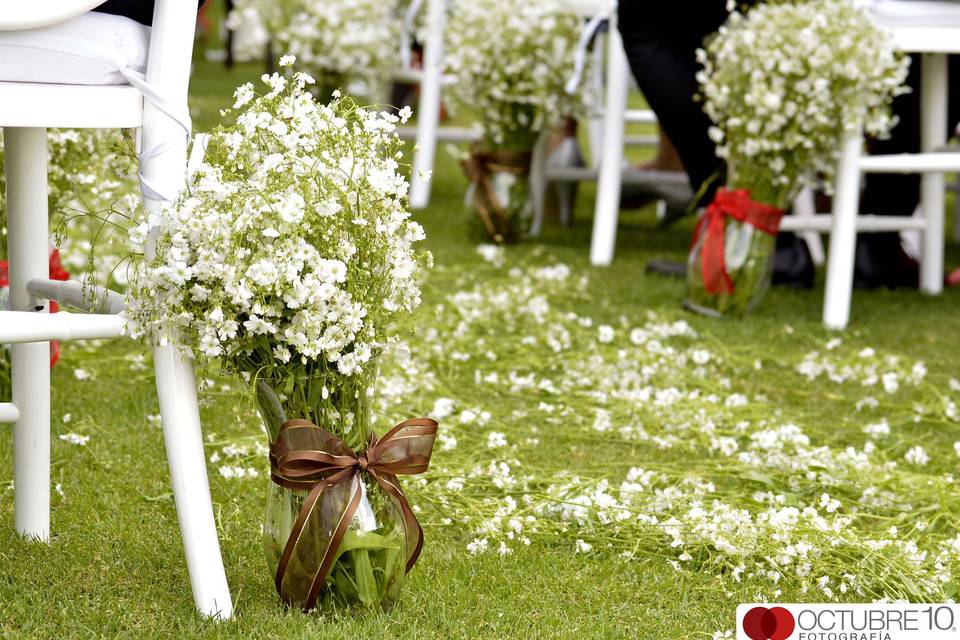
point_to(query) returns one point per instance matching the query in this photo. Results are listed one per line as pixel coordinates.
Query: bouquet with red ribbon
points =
(777, 84)
(731, 256)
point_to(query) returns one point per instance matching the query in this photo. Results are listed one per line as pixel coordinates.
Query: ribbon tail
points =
(330, 555)
(414, 532)
(716, 280)
(301, 572)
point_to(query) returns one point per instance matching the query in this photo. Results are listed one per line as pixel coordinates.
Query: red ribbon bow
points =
(736, 204)
(311, 458)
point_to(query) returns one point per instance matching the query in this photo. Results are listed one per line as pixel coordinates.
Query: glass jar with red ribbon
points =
(731, 257)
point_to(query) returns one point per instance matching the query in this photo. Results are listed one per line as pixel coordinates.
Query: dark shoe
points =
(667, 268)
(792, 264)
(881, 262)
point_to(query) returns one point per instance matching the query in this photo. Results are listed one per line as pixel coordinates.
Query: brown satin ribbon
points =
(308, 457)
(478, 167)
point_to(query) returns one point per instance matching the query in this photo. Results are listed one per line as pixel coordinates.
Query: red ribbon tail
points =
(716, 280)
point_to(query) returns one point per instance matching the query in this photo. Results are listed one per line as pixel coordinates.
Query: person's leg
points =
(660, 43)
(880, 257)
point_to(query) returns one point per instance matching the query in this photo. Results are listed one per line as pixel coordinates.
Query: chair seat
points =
(73, 74)
(917, 13)
(29, 104)
(921, 26)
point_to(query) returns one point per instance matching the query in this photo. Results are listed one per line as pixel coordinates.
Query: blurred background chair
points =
(931, 28)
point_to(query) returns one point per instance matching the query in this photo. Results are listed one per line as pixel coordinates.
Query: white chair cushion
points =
(89, 49)
(917, 13)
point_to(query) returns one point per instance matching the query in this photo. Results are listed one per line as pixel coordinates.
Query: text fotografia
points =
(899, 621)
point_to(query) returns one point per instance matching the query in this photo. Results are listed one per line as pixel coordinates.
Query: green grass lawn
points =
(115, 565)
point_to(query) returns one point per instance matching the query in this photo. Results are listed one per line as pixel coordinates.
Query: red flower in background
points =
(57, 272)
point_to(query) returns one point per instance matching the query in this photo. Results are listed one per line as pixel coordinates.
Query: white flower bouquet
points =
(511, 61)
(344, 44)
(287, 260)
(782, 84)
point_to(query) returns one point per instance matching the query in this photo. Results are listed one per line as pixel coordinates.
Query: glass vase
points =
(499, 200)
(748, 255)
(371, 559)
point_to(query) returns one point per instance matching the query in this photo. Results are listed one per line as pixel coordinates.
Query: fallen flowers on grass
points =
(650, 440)
(672, 454)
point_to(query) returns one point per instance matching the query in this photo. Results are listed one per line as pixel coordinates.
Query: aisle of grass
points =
(115, 565)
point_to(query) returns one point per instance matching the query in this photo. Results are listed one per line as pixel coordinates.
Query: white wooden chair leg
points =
(177, 391)
(933, 98)
(843, 237)
(609, 181)
(805, 206)
(28, 237)
(539, 182)
(428, 110)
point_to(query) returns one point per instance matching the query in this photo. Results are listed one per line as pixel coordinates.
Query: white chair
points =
(431, 78)
(156, 104)
(932, 29)
(607, 139)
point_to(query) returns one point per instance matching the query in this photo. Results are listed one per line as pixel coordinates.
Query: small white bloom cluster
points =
(784, 82)
(338, 41)
(511, 61)
(292, 248)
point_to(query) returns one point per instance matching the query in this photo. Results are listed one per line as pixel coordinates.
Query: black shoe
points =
(792, 264)
(881, 262)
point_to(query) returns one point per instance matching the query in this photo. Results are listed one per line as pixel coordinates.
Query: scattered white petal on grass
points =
(478, 546)
(81, 374)
(833, 343)
(75, 438)
(154, 420)
(467, 416)
(736, 400)
(496, 439)
(447, 442)
(891, 382)
(700, 356)
(954, 384)
(956, 448)
(67, 418)
(867, 402)
(917, 455)
(504, 550)
(583, 547)
(878, 430)
(788, 329)
(230, 472)
(867, 352)
(59, 489)
(605, 333)
(442, 408)
(491, 253)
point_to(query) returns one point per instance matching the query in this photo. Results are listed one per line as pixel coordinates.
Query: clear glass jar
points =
(748, 256)
(371, 560)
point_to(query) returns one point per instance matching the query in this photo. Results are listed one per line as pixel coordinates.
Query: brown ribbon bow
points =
(478, 167)
(308, 457)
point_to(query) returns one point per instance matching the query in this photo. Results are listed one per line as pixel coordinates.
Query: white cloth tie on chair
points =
(590, 30)
(406, 40)
(91, 49)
